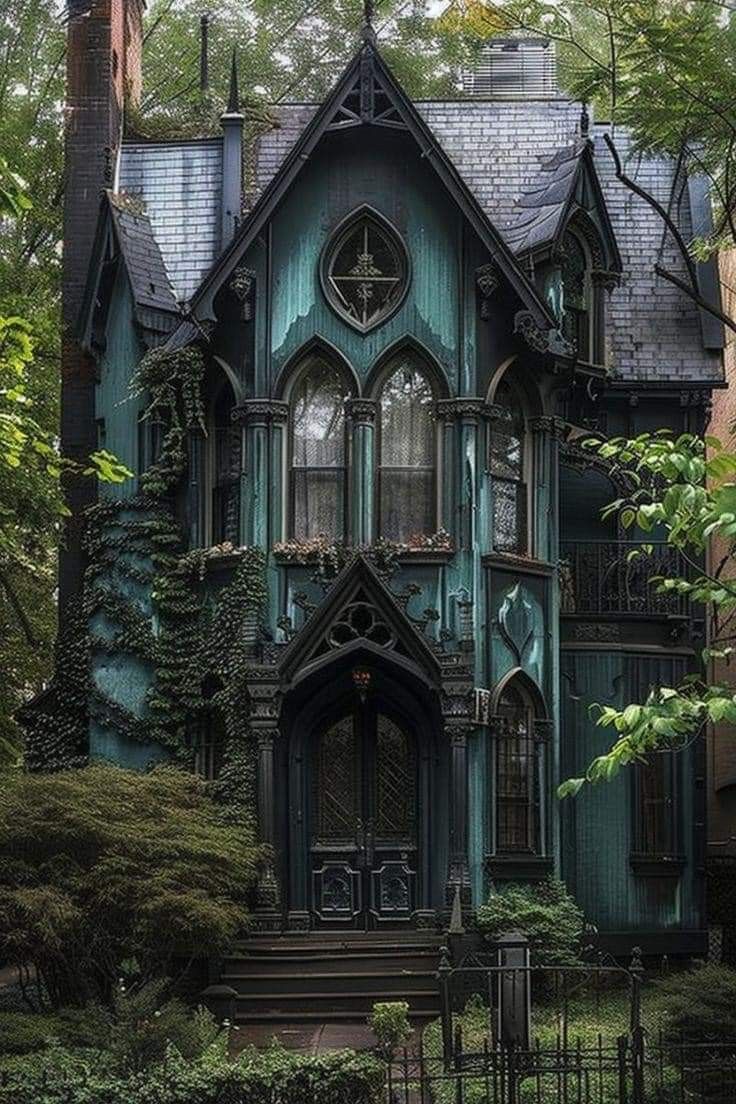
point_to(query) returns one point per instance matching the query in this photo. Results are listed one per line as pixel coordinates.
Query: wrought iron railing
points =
(603, 577)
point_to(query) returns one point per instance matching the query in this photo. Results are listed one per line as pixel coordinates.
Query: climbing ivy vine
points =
(150, 600)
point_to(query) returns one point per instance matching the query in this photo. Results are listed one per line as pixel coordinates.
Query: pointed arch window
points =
(223, 464)
(318, 451)
(506, 466)
(517, 770)
(365, 271)
(577, 295)
(407, 451)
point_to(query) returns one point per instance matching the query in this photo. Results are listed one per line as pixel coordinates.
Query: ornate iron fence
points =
(602, 577)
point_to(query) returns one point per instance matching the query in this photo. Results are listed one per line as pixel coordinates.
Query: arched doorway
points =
(363, 820)
(363, 806)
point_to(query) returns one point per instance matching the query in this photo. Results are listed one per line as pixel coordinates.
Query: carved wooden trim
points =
(261, 411)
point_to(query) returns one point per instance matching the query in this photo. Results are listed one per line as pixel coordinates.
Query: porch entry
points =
(364, 842)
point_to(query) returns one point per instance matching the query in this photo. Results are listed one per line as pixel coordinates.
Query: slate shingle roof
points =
(146, 270)
(500, 148)
(542, 206)
(181, 185)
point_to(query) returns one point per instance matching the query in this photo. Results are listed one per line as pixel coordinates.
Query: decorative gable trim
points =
(367, 94)
(359, 613)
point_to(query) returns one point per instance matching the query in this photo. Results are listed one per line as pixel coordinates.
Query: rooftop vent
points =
(515, 69)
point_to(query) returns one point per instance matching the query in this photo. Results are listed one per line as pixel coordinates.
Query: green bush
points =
(699, 1004)
(24, 1032)
(138, 1027)
(275, 1076)
(389, 1021)
(545, 912)
(102, 864)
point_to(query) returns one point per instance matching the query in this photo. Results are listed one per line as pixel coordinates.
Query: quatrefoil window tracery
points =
(360, 621)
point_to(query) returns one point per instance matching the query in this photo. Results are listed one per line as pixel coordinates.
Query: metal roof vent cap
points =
(514, 69)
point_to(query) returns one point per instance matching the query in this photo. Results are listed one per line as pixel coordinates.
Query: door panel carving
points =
(364, 822)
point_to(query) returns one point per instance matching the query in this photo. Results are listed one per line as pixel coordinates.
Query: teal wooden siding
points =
(598, 826)
(384, 174)
(116, 409)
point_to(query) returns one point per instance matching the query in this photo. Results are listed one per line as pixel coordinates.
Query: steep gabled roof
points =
(367, 93)
(124, 233)
(568, 182)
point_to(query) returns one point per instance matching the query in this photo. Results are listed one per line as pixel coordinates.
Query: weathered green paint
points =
(598, 826)
(117, 412)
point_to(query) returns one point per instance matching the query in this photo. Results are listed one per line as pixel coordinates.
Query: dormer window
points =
(577, 296)
(365, 271)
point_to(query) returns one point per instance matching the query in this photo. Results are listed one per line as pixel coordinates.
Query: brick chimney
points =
(103, 73)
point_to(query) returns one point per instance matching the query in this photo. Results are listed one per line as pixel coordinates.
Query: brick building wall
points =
(103, 72)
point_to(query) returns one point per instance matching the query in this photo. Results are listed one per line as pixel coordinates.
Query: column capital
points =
(468, 408)
(605, 278)
(261, 412)
(551, 424)
(362, 411)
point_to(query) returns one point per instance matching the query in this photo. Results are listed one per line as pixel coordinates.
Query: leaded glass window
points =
(395, 802)
(365, 272)
(576, 295)
(506, 468)
(318, 452)
(337, 778)
(225, 461)
(517, 779)
(406, 473)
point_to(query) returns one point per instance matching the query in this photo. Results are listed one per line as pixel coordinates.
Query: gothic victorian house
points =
(409, 314)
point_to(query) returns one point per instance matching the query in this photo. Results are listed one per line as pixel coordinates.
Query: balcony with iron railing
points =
(602, 578)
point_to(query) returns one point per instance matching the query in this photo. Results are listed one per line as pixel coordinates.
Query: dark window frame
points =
(657, 853)
(521, 487)
(366, 216)
(421, 366)
(302, 368)
(536, 742)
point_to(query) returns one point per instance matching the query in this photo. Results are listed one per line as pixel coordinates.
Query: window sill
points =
(524, 563)
(522, 868)
(657, 866)
(411, 555)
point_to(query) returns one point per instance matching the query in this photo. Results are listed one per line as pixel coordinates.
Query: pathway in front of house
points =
(308, 1038)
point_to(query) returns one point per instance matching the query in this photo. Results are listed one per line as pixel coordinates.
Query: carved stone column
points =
(362, 414)
(467, 414)
(547, 432)
(263, 495)
(264, 698)
(457, 699)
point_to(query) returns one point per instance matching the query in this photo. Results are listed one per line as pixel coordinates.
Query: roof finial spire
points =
(233, 99)
(584, 120)
(369, 11)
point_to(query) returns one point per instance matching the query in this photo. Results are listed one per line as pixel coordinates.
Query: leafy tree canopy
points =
(101, 866)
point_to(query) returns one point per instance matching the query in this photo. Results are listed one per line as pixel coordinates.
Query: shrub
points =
(545, 912)
(24, 1032)
(139, 1026)
(103, 864)
(699, 1004)
(275, 1076)
(389, 1021)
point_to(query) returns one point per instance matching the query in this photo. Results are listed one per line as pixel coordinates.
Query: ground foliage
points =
(102, 866)
(274, 1076)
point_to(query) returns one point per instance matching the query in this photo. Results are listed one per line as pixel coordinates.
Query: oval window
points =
(365, 271)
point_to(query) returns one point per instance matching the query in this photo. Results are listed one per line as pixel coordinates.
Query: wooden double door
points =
(364, 820)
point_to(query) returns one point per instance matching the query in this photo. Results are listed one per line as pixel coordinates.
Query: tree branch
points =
(696, 297)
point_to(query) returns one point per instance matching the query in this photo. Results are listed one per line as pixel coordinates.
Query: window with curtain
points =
(517, 776)
(577, 295)
(506, 469)
(318, 465)
(224, 463)
(407, 452)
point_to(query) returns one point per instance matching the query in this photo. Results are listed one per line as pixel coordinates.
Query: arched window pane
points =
(576, 295)
(337, 782)
(318, 452)
(407, 458)
(395, 781)
(506, 467)
(225, 471)
(517, 784)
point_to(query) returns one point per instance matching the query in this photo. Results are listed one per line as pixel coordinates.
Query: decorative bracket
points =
(487, 281)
